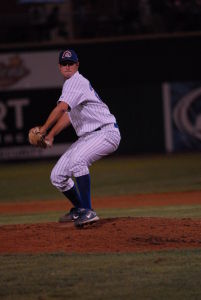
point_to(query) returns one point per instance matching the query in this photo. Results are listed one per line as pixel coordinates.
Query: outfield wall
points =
(129, 76)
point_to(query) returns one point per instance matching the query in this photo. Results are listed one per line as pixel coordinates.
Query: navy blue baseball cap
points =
(68, 55)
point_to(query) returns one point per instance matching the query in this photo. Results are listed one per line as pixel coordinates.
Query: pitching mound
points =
(107, 235)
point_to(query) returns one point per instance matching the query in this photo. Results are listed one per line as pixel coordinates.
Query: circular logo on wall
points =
(13, 71)
(187, 116)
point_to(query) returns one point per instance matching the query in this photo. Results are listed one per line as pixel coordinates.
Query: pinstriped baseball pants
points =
(80, 155)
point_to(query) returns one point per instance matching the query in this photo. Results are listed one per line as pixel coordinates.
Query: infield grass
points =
(111, 176)
(159, 275)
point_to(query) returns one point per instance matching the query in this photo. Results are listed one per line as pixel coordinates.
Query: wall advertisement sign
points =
(30, 85)
(182, 116)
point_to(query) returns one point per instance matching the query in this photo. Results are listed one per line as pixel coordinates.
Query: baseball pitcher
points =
(98, 136)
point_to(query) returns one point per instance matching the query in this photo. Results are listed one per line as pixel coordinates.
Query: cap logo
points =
(67, 54)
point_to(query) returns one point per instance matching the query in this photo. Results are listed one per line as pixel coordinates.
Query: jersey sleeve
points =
(71, 93)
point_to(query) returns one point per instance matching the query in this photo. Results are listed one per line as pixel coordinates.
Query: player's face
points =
(67, 69)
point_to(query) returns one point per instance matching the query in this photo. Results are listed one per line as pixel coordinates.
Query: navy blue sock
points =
(73, 196)
(84, 186)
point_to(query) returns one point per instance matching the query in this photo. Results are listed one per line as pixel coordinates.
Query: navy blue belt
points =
(99, 128)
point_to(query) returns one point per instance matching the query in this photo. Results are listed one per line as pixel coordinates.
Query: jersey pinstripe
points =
(87, 111)
(82, 154)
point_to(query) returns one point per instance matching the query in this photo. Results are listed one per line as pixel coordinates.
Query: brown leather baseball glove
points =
(36, 138)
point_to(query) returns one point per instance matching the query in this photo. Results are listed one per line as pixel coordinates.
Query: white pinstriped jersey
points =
(87, 110)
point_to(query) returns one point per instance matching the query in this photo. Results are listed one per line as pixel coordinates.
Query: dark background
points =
(127, 58)
(129, 76)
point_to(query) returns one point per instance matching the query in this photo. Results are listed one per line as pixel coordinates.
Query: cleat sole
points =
(87, 222)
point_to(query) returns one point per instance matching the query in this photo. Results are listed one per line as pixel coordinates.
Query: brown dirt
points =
(107, 235)
(132, 201)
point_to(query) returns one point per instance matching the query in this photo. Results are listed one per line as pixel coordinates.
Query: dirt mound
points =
(107, 235)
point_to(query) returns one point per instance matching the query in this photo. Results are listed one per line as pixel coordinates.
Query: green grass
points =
(171, 275)
(161, 275)
(111, 176)
(190, 211)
